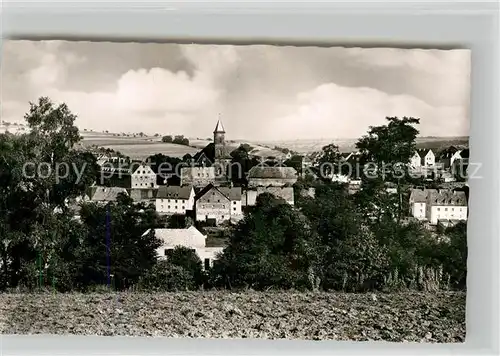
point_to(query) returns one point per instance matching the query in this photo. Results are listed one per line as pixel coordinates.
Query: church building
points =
(211, 164)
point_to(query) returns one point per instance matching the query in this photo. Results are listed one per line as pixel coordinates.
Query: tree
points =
(132, 250)
(295, 162)
(273, 246)
(328, 162)
(167, 139)
(385, 153)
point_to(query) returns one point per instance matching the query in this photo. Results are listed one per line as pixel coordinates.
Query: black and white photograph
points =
(234, 191)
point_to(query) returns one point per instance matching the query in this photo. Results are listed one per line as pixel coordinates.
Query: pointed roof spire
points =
(219, 127)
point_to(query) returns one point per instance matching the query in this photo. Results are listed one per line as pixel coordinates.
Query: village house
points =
(423, 158)
(434, 205)
(197, 176)
(218, 204)
(262, 176)
(174, 199)
(141, 195)
(211, 164)
(144, 177)
(191, 238)
(449, 155)
(249, 197)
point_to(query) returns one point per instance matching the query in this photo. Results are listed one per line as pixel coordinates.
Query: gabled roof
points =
(107, 193)
(143, 167)
(465, 153)
(447, 197)
(174, 192)
(422, 152)
(230, 193)
(420, 195)
(190, 237)
(260, 172)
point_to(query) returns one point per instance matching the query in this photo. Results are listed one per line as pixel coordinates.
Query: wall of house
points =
(419, 210)
(430, 159)
(447, 212)
(172, 206)
(143, 179)
(236, 208)
(415, 161)
(265, 182)
(249, 197)
(213, 205)
(197, 176)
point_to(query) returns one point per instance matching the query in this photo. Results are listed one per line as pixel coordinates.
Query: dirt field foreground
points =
(411, 317)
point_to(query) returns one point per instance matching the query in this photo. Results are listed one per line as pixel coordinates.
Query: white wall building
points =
(218, 204)
(191, 238)
(143, 178)
(174, 199)
(438, 204)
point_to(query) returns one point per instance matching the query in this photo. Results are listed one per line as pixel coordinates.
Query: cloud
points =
(331, 109)
(262, 91)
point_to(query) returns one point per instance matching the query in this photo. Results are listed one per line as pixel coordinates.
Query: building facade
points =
(190, 238)
(262, 176)
(218, 204)
(143, 178)
(434, 205)
(174, 199)
(197, 176)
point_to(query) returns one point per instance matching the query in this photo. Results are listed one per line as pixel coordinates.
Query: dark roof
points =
(230, 193)
(209, 152)
(422, 152)
(272, 172)
(219, 127)
(447, 197)
(465, 153)
(173, 192)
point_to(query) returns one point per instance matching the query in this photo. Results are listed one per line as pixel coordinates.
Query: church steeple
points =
(219, 128)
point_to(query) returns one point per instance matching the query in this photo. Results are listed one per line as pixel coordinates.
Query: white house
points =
(218, 204)
(418, 203)
(143, 178)
(446, 205)
(434, 205)
(191, 238)
(174, 199)
(423, 158)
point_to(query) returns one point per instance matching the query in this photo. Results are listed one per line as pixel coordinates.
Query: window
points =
(176, 200)
(176, 207)
(445, 209)
(183, 207)
(169, 206)
(218, 200)
(207, 263)
(234, 202)
(168, 251)
(235, 209)
(222, 216)
(438, 209)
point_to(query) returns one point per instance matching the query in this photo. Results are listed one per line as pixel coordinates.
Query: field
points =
(138, 147)
(416, 317)
(348, 144)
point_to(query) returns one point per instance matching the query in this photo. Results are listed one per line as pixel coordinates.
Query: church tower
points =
(221, 157)
(219, 141)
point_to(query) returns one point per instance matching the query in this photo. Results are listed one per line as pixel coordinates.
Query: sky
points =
(259, 91)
